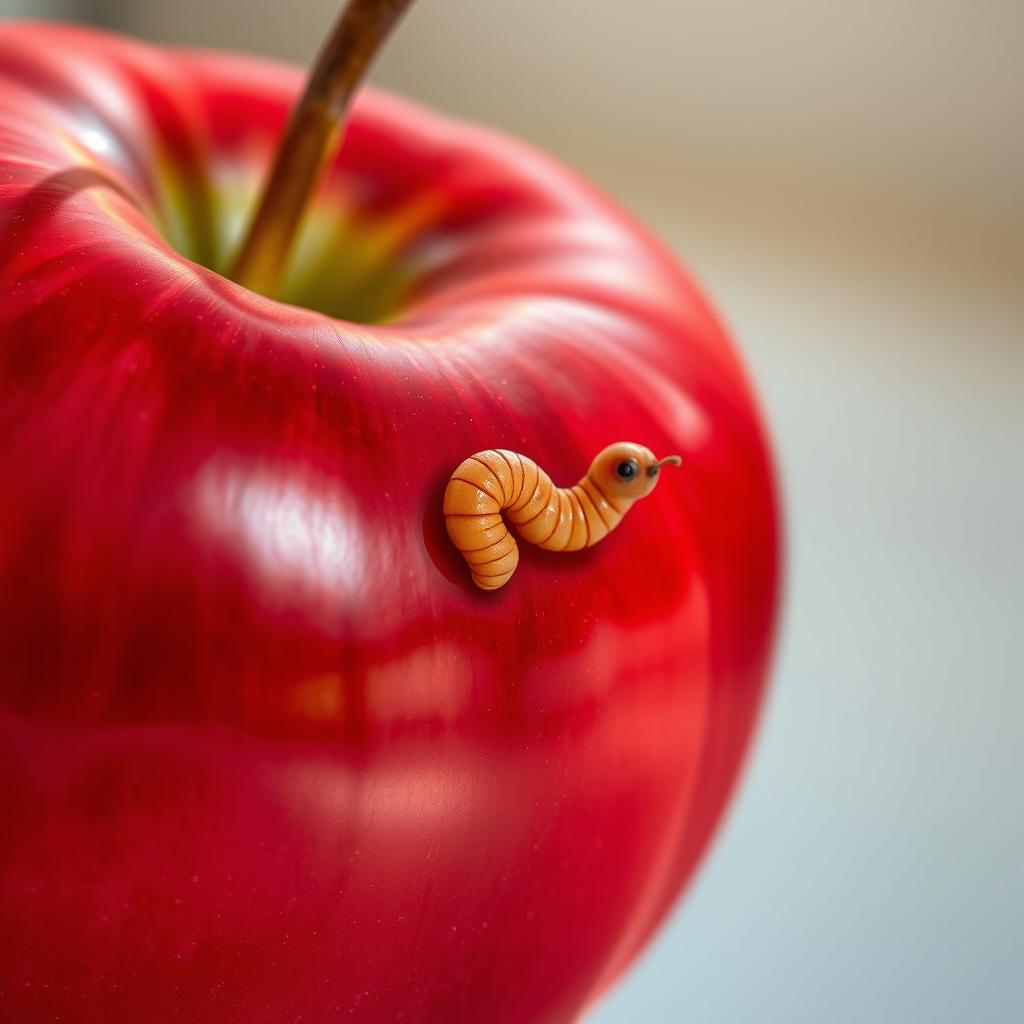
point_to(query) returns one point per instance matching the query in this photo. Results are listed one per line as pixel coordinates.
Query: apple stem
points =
(311, 138)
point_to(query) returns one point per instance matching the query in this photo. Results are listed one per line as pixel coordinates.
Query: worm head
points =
(628, 470)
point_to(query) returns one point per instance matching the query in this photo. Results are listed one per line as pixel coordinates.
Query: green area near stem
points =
(343, 263)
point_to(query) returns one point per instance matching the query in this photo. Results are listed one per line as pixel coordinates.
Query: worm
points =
(494, 485)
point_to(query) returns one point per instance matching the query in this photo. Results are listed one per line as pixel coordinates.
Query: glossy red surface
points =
(265, 752)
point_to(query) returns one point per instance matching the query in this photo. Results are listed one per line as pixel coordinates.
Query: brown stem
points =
(312, 135)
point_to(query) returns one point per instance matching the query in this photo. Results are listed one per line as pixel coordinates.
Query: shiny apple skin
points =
(266, 754)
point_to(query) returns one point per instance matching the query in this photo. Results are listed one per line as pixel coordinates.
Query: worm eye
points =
(627, 469)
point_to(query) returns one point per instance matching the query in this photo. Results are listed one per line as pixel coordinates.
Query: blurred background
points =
(846, 180)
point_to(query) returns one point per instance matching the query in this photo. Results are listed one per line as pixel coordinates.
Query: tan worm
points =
(496, 482)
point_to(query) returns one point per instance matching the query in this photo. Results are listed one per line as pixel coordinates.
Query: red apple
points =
(267, 753)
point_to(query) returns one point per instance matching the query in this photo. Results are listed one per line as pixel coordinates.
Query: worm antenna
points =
(669, 460)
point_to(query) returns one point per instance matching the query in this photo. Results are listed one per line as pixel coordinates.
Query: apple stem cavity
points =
(311, 138)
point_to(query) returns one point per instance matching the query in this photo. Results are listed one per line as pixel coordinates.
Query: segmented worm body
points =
(494, 485)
